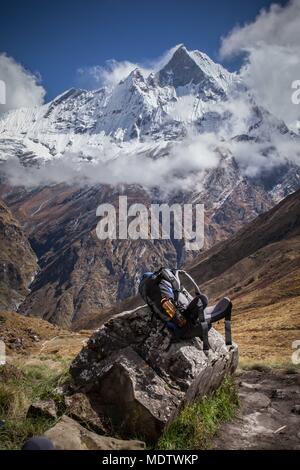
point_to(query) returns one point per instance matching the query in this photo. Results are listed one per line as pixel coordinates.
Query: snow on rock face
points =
(196, 67)
(142, 115)
(137, 108)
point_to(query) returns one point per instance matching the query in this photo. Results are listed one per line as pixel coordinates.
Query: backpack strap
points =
(228, 336)
(172, 277)
(204, 325)
(222, 310)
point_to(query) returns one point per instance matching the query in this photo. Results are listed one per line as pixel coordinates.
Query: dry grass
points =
(17, 392)
(52, 339)
(265, 334)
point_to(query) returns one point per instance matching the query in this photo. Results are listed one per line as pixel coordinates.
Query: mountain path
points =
(269, 417)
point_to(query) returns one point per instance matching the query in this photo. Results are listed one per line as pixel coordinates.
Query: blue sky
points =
(55, 38)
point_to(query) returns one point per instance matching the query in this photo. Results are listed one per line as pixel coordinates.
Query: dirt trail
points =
(269, 417)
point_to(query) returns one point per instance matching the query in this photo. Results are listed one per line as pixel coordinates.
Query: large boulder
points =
(138, 378)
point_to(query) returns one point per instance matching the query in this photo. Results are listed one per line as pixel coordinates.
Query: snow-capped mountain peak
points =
(189, 92)
(195, 67)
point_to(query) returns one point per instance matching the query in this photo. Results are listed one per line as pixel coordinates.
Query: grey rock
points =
(16, 343)
(33, 335)
(138, 378)
(250, 386)
(79, 408)
(296, 409)
(68, 434)
(46, 408)
(257, 400)
(279, 394)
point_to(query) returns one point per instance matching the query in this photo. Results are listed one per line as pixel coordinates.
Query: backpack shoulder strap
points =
(171, 276)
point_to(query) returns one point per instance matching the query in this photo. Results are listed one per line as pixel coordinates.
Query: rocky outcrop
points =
(79, 408)
(67, 434)
(138, 378)
(45, 408)
(17, 261)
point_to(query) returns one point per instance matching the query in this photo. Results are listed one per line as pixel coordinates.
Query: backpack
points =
(151, 294)
(150, 280)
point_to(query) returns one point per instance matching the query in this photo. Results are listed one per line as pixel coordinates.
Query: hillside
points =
(267, 246)
(17, 261)
(26, 338)
(259, 269)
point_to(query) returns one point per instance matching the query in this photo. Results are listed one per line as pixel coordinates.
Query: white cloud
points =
(109, 75)
(114, 71)
(265, 158)
(272, 46)
(180, 167)
(22, 88)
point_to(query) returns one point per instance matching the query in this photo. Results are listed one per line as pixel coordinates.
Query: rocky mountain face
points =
(141, 114)
(18, 262)
(80, 274)
(147, 110)
(65, 146)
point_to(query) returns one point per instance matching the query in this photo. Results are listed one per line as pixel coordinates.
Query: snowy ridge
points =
(141, 115)
(138, 108)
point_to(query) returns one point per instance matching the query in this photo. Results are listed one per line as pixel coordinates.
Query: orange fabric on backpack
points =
(168, 307)
(172, 312)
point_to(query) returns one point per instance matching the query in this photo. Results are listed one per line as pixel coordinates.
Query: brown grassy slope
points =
(31, 340)
(259, 269)
(14, 327)
(280, 223)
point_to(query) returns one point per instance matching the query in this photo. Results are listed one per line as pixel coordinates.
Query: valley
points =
(172, 137)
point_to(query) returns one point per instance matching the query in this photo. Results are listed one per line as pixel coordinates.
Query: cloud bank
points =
(169, 171)
(272, 47)
(179, 166)
(108, 75)
(21, 87)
